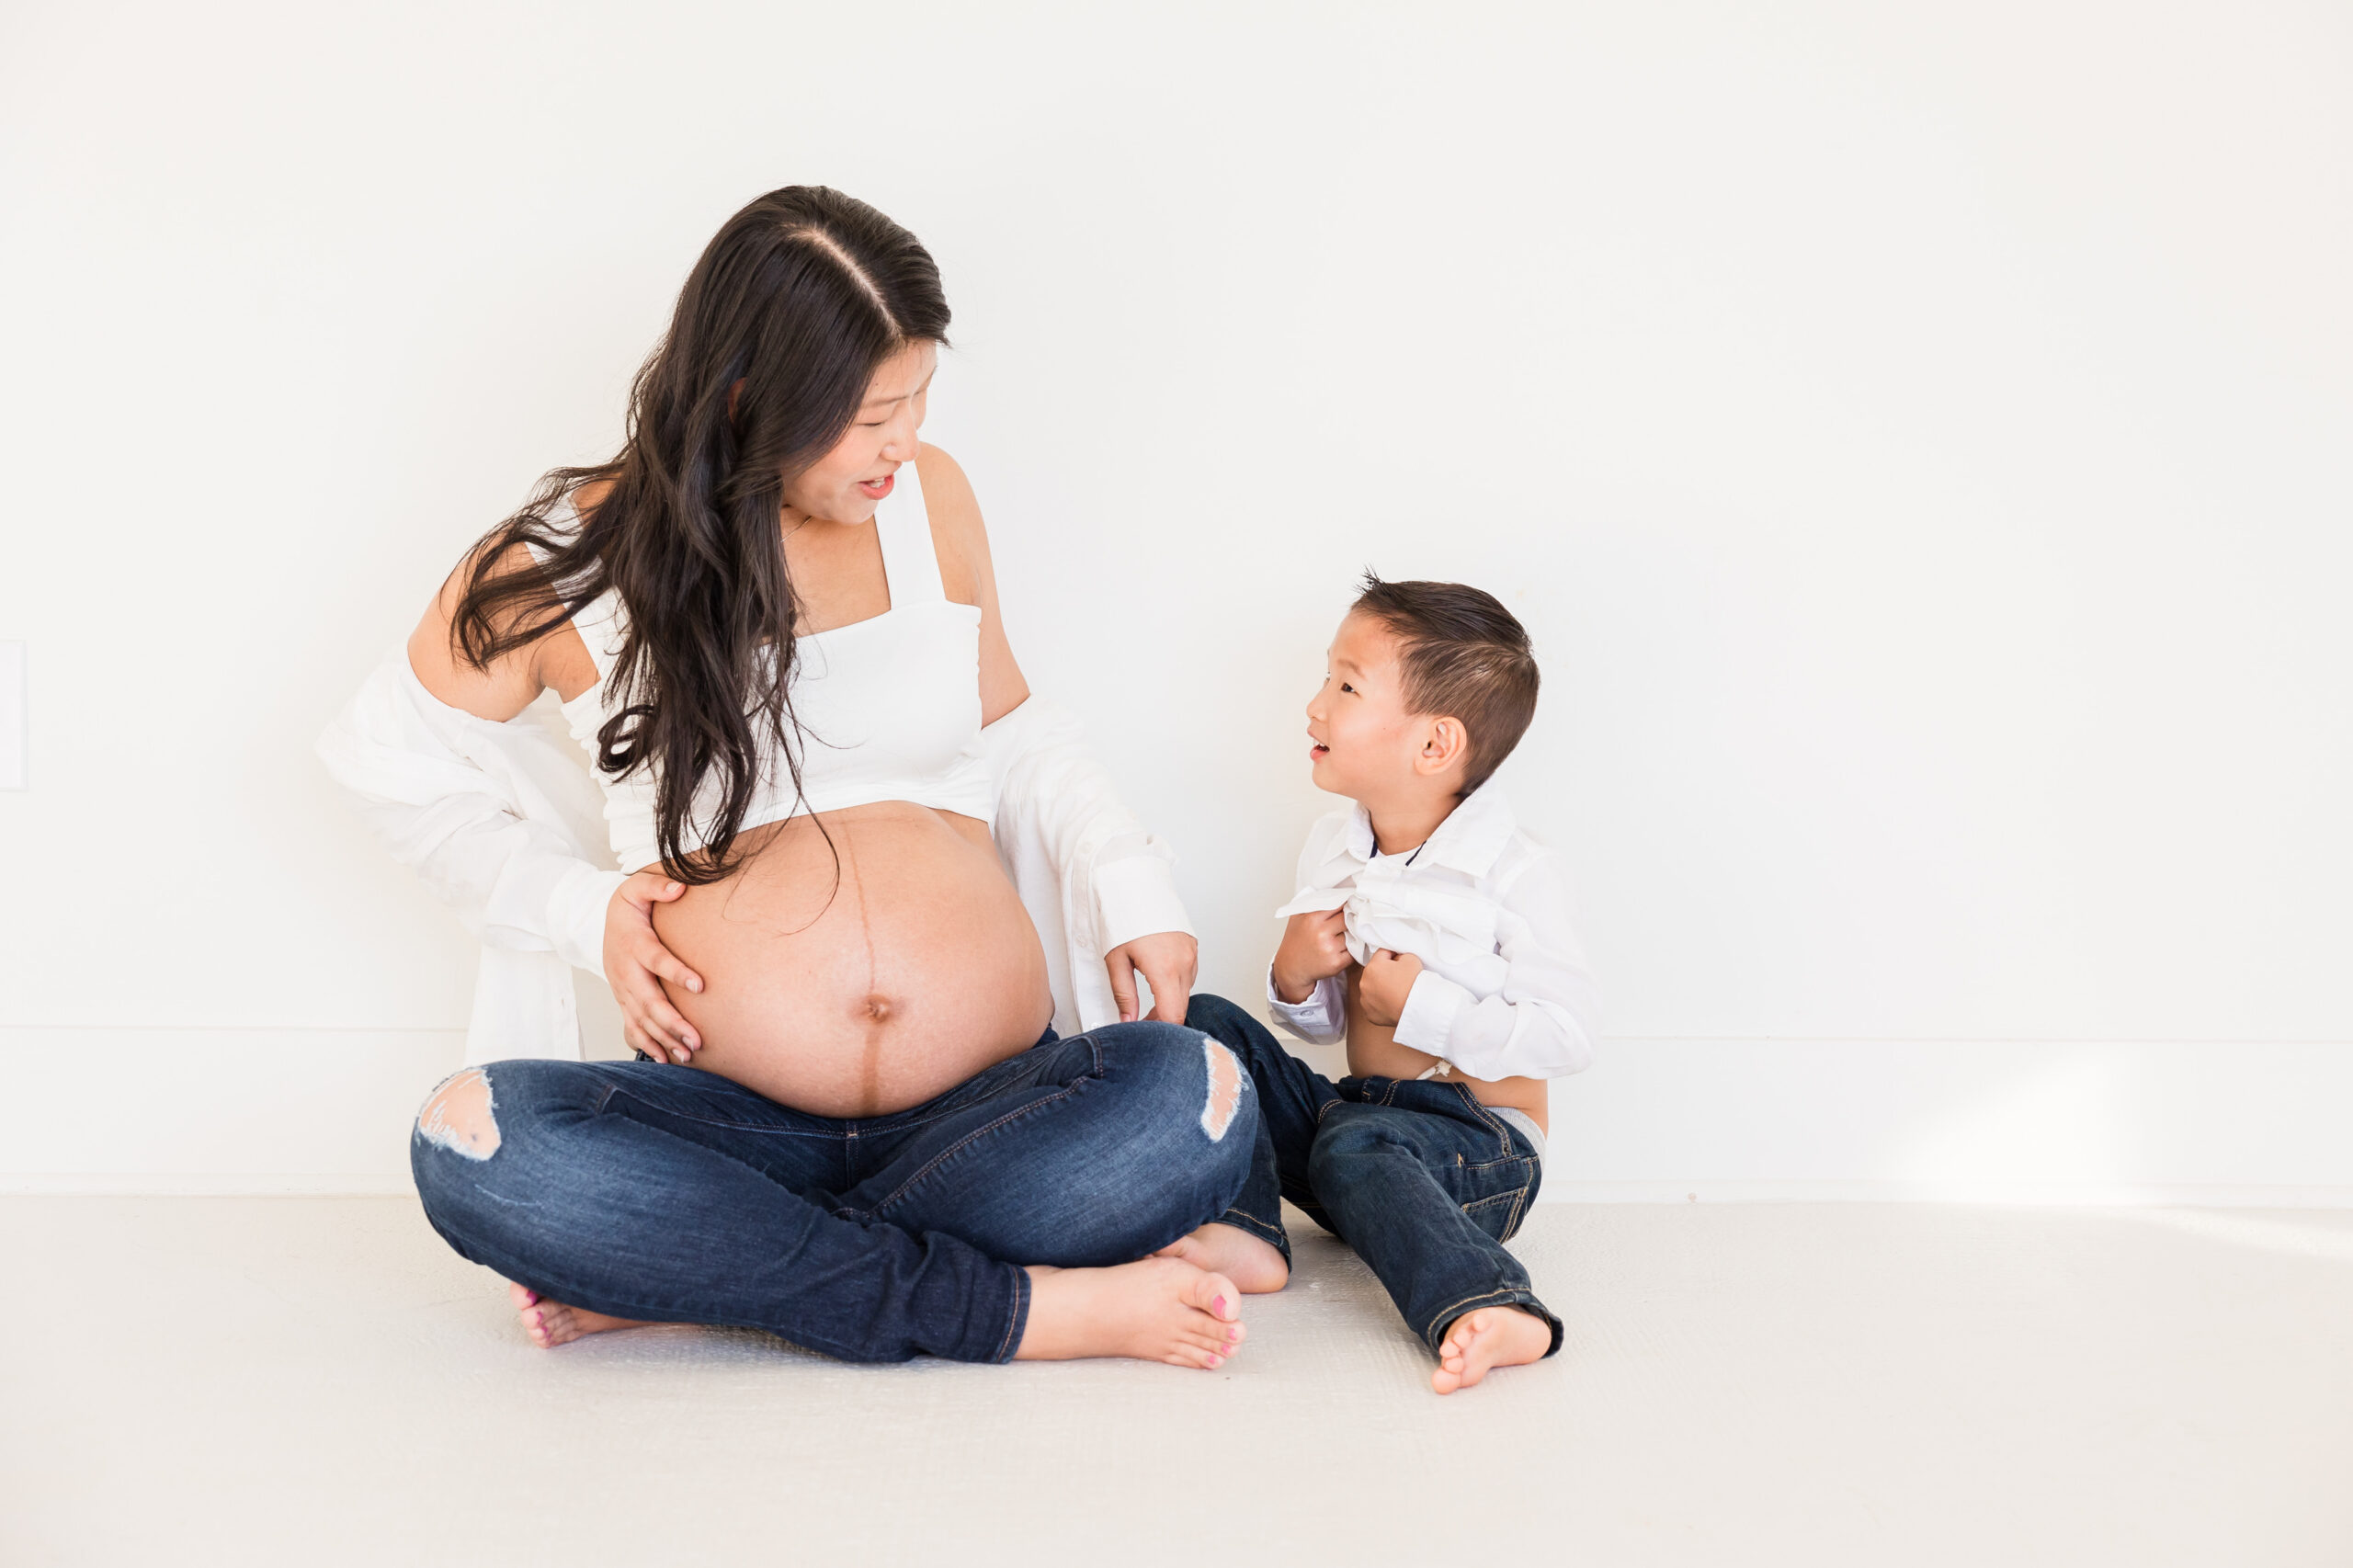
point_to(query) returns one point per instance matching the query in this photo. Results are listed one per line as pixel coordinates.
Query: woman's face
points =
(849, 483)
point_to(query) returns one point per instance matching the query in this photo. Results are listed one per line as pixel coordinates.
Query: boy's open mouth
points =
(1317, 753)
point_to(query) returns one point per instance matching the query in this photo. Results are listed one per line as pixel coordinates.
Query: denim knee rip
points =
(460, 1116)
(1226, 1084)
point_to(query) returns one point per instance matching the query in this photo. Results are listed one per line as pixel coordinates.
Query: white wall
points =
(1917, 438)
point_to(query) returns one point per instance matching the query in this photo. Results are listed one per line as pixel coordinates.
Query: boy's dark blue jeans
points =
(640, 1189)
(1421, 1179)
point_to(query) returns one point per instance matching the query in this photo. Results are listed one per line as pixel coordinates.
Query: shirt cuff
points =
(577, 912)
(1426, 1021)
(1135, 897)
(1316, 1019)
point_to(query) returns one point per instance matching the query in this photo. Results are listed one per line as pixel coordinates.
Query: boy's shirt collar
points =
(1469, 840)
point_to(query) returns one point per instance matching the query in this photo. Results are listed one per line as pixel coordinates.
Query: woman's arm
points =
(410, 757)
(1136, 901)
(961, 541)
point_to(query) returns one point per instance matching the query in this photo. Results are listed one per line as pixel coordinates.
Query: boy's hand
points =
(1315, 947)
(1388, 980)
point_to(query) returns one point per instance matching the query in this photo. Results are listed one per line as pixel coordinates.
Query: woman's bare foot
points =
(1156, 1309)
(1253, 1265)
(1480, 1341)
(551, 1323)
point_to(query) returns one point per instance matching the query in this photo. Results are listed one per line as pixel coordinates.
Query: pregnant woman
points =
(772, 623)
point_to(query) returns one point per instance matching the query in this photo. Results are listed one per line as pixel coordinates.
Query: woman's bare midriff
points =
(867, 993)
(1373, 1052)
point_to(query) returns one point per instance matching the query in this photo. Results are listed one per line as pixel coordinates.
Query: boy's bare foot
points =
(551, 1323)
(1254, 1265)
(1156, 1309)
(1479, 1341)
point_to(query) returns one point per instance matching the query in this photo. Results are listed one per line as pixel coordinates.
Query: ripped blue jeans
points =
(644, 1190)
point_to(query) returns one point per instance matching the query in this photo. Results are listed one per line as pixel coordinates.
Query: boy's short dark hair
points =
(1464, 658)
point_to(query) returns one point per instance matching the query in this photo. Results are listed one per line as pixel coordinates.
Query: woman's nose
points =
(899, 441)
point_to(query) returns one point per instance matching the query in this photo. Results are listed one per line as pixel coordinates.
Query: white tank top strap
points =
(601, 621)
(904, 527)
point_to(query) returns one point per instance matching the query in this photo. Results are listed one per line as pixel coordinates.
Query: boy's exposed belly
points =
(1373, 1052)
(917, 969)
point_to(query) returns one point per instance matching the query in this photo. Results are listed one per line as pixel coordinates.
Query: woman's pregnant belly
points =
(869, 992)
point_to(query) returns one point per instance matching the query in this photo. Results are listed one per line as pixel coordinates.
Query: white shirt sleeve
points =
(1320, 1019)
(464, 801)
(1047, 777)
(1542, 1022)
(1086, 871)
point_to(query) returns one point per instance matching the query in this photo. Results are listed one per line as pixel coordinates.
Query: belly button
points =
(878, 1008)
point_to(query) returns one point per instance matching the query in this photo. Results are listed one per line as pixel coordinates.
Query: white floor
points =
(265, 1380)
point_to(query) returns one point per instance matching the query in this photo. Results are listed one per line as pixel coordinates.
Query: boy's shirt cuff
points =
(1318, 1019)
(1426, 1021)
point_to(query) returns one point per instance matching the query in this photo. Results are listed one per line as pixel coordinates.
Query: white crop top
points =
(888, 708)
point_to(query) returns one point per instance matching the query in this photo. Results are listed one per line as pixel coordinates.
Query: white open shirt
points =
(1504, 990)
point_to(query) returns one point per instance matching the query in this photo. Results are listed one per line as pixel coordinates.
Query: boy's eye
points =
(1346, 687)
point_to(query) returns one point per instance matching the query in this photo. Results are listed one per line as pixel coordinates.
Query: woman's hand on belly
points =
(1168, 960)
(636, 963)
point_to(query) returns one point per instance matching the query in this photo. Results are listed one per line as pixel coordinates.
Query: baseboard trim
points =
(217, 1184)
(2102, 1123)
(1982, 1194)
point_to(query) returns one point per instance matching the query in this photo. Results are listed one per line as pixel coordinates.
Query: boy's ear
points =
(1444, 745)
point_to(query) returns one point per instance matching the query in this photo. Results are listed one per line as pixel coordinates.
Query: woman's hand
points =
(1168, 960)
(1315, 947)
(1388, 980)
(636, 963)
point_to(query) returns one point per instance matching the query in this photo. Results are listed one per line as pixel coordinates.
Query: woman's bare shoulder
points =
(958, 536)
(556, 657)
(586, 498)
(947, 493)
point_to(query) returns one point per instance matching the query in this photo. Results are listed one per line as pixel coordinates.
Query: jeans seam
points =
(1493, 1198)
(980, 1133)
(1446, 1316)
(743, 1126)
(1489, 1118)
(1019, 1318)
(1520, 1206)
(1272, 1235)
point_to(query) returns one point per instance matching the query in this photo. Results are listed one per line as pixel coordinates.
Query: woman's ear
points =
(1445, 744)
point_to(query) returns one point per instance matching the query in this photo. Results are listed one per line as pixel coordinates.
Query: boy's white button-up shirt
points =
(1504, 990)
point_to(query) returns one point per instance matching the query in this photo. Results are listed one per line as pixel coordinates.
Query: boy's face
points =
(1365, 741)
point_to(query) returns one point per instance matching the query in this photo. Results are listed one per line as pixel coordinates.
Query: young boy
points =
(1434, 935)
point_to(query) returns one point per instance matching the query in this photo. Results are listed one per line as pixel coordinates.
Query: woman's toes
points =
(1214, 1294)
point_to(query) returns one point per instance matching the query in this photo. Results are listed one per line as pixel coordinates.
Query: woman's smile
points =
(875, 489)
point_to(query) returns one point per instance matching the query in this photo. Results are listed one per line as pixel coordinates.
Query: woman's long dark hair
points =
(801, 296)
